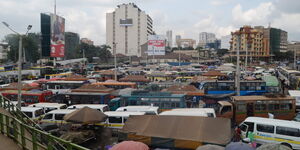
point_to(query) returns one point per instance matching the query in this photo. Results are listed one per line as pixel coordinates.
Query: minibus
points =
(100, 107)
(116, 120)
(32, 112)
(205, 112)
(49, 106)
(266, 130)
(56, 116)
(149, 110)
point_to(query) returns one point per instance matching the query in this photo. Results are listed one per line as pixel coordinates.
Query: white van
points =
(49, 106)
(205, 112)
(56, 116)
(100, 107)
(33, 113)
(117, 120)
(149, 110)
(267, 130)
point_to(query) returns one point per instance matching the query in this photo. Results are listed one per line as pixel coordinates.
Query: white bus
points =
(33, 113)
(267, 130)
(49, 106)
(205, 112)
(149, 110)
(56, 116)
(59, 86)
(100, 107)
(116, 120)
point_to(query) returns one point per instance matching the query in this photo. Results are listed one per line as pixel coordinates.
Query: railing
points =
(27, 134)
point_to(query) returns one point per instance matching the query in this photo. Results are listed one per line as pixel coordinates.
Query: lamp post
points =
(20, 60)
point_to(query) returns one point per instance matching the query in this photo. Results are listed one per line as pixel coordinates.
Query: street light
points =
(20, 60)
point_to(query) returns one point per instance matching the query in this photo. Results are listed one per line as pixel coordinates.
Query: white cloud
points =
(259, 15)
(219, 2)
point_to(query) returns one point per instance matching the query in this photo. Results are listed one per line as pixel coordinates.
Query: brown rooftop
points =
(261, 98)
(134, 78)
(213, 73)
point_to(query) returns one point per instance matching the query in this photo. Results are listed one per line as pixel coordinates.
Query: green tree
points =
(94, 51)
(30, 44)
(222, 52)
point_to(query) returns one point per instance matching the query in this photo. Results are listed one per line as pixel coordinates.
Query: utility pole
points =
(295, 59)
(179, 57)
(19, 61)
(237, 79)
(115, 60)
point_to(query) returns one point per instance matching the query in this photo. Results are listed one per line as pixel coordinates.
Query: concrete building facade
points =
(185, 43)
(4, 49)
(225, 42)
(127, 28)
(205, 37)
(169, 38)
(177, 38)
(262, 42)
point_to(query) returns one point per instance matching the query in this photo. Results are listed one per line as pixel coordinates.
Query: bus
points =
(117, 119)
(266, 130)
(258, 106)
(29, 97)
(287, 75)
(164, 100)
(60, 75)
(256, 87)
(117, 85)
(59, 86)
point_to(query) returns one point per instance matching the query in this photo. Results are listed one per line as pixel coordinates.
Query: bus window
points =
(29, 114)
(265, 128)
(250, 126)
(285, 106)
(59, 116)
(288, 131)
(48, 116)
(241, 107)
(115, 119)
(226, 109)
(260, 106)
(39, 112)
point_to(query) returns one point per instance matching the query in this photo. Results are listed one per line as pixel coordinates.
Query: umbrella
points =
(273, 146)
(85, 115)
(210, 147)
(238, 146)
(130, 145)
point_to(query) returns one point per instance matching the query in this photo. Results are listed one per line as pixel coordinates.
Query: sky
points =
(184, 17)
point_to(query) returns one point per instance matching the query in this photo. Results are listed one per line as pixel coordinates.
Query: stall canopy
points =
(193, 128)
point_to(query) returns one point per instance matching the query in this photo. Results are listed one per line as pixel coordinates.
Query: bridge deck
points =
(8, 144)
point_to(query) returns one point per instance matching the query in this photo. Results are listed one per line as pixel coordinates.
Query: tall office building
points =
(169, 38)
(205, 38)
(177, 38)
(225, 42)
(127, 29)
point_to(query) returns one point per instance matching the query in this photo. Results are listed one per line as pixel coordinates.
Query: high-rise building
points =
(262, 42)
(251, 42)
(127, 29)
(225, 42)
(169, 38)
(177, 38)
(72, 40)
(205, 38)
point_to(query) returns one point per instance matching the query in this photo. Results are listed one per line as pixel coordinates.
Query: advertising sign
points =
(57, 36)
(156, 45)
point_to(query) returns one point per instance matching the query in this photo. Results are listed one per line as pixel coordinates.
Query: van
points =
(100, 107)
(266, 130)
(205, 112)
(56, 116)
(149, 110)
(49, 106)
(33, 113)
(116, 120)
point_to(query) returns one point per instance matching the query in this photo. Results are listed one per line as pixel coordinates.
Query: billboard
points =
(46, 32)
(156, 45)
(57, 36)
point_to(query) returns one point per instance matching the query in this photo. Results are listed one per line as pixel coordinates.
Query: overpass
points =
(20, 132)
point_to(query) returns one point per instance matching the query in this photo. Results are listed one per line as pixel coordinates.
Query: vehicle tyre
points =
(288, 145)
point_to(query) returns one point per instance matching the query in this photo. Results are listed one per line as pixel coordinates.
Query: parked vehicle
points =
(149, 110)
(100, 107)
(266, 130)
(49, 106)
(55, 116)
(33, 112)
(117, 120)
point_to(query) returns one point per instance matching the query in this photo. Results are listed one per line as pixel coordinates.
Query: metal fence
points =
(26, 133)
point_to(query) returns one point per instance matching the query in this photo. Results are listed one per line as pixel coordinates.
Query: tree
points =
(221, 52)
(30, 44)
(94, 51)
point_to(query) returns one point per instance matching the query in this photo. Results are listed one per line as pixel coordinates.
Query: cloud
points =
(219, 2)
(259, 15)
